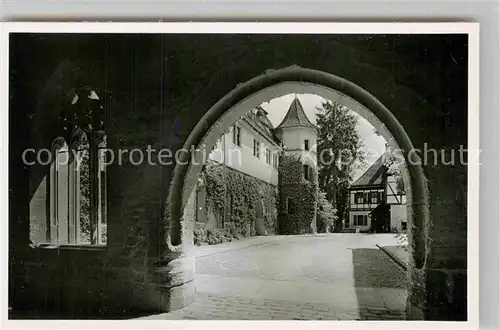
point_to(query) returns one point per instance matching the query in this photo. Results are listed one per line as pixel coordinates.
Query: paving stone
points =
(321, 264)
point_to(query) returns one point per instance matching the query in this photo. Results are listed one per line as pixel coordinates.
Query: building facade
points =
(396, 199)
(237, 189)
(241, 189)
(377, 201)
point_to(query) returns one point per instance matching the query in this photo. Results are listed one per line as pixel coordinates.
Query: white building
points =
(251, 147)
(376, 203)
(396, 199)
(249, 152)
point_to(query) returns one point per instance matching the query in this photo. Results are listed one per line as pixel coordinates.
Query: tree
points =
(339, 153)
(342, 199)
(326, 214)
(394, 164)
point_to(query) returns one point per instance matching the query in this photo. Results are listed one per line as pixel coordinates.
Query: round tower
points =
(298, 173)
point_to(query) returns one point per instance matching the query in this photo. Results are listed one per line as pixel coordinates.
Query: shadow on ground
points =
(380, 284)
(81, 314)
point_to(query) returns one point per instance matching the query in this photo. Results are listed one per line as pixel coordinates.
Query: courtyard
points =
(306, 277)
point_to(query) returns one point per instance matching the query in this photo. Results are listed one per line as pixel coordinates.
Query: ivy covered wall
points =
(237, 194)
(298, 197)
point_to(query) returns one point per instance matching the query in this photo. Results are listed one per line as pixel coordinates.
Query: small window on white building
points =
(359, 198)
(268, 156)
(256, 148)
(237, 135)
(360, 220)
(306, 144)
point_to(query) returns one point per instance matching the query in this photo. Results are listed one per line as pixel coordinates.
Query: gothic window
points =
(59, 226)
(71, 189)
(77, 176)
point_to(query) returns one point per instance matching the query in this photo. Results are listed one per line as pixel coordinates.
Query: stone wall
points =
(136, 271)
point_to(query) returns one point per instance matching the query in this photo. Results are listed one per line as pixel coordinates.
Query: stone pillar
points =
(438, 289)
(174, 277)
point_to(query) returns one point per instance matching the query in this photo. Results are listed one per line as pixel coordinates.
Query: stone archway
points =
(277, 83)
(308, 81)
(260, 225)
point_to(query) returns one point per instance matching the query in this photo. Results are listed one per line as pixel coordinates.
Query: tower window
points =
(306, 144)
(307, 172)
(290, 208)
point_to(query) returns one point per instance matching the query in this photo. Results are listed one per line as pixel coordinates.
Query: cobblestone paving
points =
(332, 277)
(373, 268)
(296, 259)
(213, 307)
(320, 259)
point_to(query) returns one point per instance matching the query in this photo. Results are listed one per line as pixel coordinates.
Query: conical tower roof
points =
(295, 117)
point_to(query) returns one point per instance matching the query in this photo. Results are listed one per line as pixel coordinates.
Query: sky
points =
(278, 107)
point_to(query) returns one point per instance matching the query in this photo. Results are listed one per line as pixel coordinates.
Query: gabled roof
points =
(295, 116)
(260, 123)
(373, 176)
